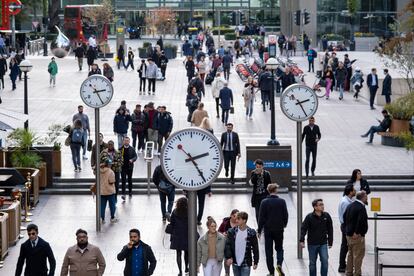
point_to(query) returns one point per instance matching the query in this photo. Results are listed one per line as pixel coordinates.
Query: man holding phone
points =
(137, 255)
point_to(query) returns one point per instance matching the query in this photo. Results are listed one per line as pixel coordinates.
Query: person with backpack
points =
(142, 73)
(311, 59)
(79, 54)
(76, 142)
(166, 191)
(281, 42)
(138, 122)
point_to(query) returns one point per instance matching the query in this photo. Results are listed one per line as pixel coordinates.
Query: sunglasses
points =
(32, 234)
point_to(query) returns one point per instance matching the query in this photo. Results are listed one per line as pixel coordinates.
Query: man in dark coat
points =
(35, 251)
(137, 256)
(165, 125)
(287, 78)
(3, 69)
(265, 85)
(226, 102)
(372, 82)
(198, 83)
(313, 135)
(230, 145)
(340, 77)
(386, 86)
(129, 156)
(273, 218)
(383, 126)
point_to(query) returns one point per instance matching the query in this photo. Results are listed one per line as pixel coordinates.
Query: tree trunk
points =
(54, 14)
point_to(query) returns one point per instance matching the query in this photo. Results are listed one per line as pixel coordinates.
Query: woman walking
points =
(142, 73)
(108, 72)
(90, 57)
(190, 68)
(210, 250)
(120, 57)
(179, 233)
(202, 67)
(52, 68)
(76, 142)
(328, 77)
(249, 96)
(14, 72)
(360, 184)
(107, 182)
(226, 224)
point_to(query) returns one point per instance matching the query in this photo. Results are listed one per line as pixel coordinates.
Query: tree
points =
(352, 6)
(99, 16)
(161, 20)
(53, 14)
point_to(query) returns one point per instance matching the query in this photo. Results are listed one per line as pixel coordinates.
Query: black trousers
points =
(387, 98)
(372, 93)
(2, 80)
(226, 73)
(275, 237)
(141, 139)
(311, 64)
(201, 200)
(142, 82)
(309, 150)
(130, 62)
(218, 106)
(117, 176)
(229, 158)
(163, 69)
(151, 83)
(126, 172)
(344, 248)
(225, 115)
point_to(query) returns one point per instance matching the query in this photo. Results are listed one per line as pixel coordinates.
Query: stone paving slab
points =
(342, 122)
(58, 217)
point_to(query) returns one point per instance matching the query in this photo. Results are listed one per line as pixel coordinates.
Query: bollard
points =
(149, 177)
(375, 229)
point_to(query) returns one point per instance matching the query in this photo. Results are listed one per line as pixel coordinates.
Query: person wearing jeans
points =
(382, 127)
(107, 187)
(249, 96)
(340, 77)
(129, 156)
(157, 177)
(75, 146)
(318, 226)
(85, 125)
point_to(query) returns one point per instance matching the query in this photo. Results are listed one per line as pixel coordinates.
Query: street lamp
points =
(272, 65)
(26, 66)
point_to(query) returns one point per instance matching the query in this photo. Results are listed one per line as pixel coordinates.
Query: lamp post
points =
(272, 65)
(26, 66)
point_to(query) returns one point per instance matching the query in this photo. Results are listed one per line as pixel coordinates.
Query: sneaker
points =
(114, 220)
(76, 169)
(84, 157)
(123, 197)
(79, 168)
(280, 270)
(369, 143)
(250, 118)
(102, 221)
(140, 92)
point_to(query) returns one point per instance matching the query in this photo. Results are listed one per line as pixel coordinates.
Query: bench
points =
(390, 139)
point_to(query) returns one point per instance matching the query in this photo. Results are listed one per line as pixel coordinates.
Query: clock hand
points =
(97, 94)
(180, 147)
(197, 157)
(96, 91)
(302, 102)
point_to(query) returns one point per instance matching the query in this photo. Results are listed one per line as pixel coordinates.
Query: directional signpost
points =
(15, 7)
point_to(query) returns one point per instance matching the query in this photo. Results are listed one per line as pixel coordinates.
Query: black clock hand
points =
(180, 147)
(197, 157)
(96, 91)
(302, 102)
(100, 98)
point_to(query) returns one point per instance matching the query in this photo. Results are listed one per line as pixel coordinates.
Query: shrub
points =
(146, 44)
(359, 34)
(230, 36)
(334, 37)
(223, 30)
(402, 108)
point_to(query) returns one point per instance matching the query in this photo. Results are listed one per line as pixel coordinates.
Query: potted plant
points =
(170, 51)
(52, 138)
(401, 111)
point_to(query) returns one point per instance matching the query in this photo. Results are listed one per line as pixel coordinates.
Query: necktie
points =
(33, 244)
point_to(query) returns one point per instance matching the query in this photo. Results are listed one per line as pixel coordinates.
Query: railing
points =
(36, 46)
(379, 266)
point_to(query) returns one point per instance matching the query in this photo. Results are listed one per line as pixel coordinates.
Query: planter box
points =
(57, 162)
(142, 52)
(398, 126)
(12, 208)
(170, 53)
(366, 43)
(4, 245)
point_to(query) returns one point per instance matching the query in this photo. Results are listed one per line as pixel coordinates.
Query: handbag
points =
(232, 110)
(165, 187)
(67, 141)
(169, 229)
(89, 145)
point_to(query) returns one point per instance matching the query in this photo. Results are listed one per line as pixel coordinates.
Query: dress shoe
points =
(364, 135)
(313, 173)
(341, 270)
(227, 174)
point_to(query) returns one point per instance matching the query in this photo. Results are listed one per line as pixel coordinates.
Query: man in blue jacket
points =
(273, 218)
(226, 102)
(165, 125)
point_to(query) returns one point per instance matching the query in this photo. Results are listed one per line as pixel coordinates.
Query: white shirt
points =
(345, 201)
(240, 246)
(357, 185)
(374, 80)
(92, 42)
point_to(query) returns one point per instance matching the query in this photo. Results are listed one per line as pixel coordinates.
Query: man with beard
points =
(85, 257)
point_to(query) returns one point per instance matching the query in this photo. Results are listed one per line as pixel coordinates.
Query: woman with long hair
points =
(360, 184)
(205, 124)
(249, 96)
(179, 233)
(226, 224)
(210, 249)
(108, 72)
(329, 77)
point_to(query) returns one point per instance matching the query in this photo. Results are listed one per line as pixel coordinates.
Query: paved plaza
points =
(342, 122)
(58, 218)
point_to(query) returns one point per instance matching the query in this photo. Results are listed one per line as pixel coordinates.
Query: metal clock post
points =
(96, 92)
(299, 103)
(191, 159)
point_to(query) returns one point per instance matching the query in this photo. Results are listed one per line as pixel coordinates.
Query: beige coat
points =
(107, 181)
(198, 116)
(90, 263)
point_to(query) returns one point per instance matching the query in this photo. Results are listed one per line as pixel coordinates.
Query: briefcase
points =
(89, 148)
(232, 110)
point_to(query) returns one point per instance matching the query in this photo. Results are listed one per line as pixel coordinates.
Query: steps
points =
(80, 186)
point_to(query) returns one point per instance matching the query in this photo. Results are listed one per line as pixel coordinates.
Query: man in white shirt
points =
(349, 194)
(241, 244)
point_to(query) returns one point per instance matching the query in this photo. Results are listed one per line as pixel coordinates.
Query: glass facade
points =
(372, 16)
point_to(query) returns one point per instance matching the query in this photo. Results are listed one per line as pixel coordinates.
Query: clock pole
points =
(192, 232)
(299, 184)
(272, 65)
(97, 172)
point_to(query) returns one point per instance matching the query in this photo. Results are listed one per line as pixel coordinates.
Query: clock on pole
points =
(299, 103)
(192, 159)
(96, 92)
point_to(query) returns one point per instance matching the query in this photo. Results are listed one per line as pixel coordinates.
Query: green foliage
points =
(53, 134)
(408, 139)
(230, 36)
(402, 108)
(223, 30)
(22, 138)
(146, 44)
(352, 6)
(25, 159)
(334, 37)
(170, 46)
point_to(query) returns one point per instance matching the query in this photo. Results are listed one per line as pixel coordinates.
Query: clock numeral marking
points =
(170, 147)
(179, 180)
(178, 137)
(167, 158)
(204, 137)
(212, 146)
(192, 182)
(214, 171)
(170, 171)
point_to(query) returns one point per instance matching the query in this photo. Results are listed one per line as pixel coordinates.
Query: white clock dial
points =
(299, 102)
(191, 159)
(96, 91)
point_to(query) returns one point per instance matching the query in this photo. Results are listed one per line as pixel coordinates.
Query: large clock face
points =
(96, 91)
(299, 102)
(191, 159)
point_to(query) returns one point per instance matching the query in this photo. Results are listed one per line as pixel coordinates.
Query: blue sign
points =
(271, 164)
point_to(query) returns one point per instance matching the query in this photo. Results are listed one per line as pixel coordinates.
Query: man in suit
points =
(138, 256)
(356, 226)
(372, 82)
(386, 87)
(35, 251)
(230, 145)
(226, 102)
(313, 135)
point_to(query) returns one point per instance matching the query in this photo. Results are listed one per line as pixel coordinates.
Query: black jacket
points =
(265, 81)
(386, 85)
(364, 185)
(36, 259)
(311, 135)
(356, 219)
(273, 215)
(259, 193)
(3, 66)
(287, 79)
(235, 141)
(318, 228)
(165, 123)
(190, 68)
(369, 81)
(147, 255)
(128, 154)
(386, 122)
(252, 246)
